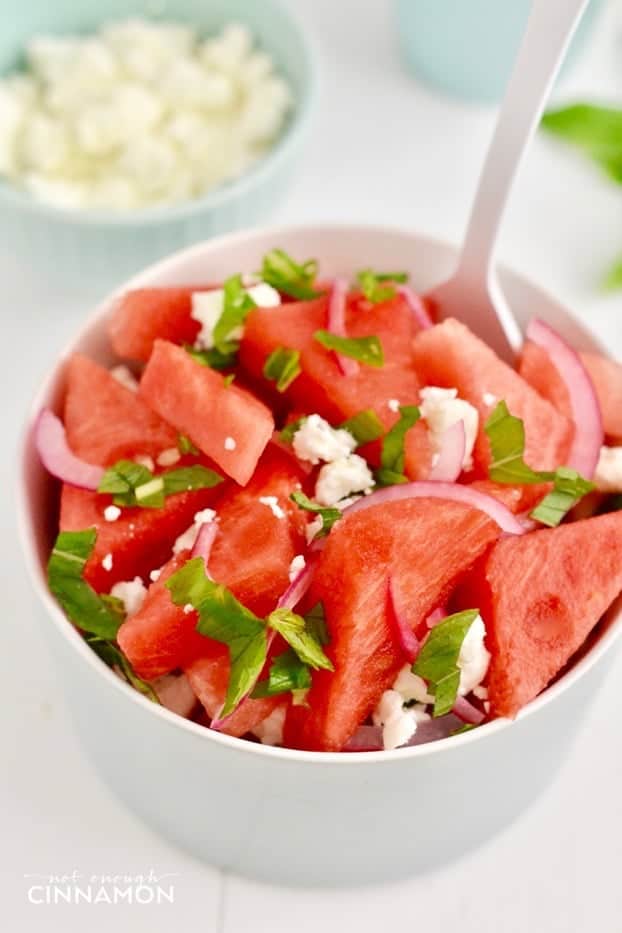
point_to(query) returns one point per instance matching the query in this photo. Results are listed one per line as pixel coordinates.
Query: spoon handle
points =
(549, 30)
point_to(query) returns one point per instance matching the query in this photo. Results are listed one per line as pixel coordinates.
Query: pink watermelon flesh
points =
(227, 423)
(540, 596)
(352, 583)
(148, 314)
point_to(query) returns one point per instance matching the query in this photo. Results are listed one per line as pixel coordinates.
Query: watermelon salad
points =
(299, 511)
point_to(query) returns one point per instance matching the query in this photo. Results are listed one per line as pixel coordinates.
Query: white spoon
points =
(472, 294)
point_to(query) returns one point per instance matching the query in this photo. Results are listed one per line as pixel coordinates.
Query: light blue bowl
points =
(89, 251)
(466, 48)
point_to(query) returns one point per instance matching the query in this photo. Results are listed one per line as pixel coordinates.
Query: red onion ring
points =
(404, 635)
(336, 323)
(58, 458)
(417, 306)
(467, 712)
(299, 586)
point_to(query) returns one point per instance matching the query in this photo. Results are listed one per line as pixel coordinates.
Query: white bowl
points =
(278, 814)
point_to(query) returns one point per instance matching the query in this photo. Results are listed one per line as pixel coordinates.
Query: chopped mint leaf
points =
(213, 358)
(287, 673)
(465, 727)
(569, 487)
(112, 655)
(372, 284)
(287, 433)
(192, 477)
(224, 619)
(596, 131)
(122, 479)
(150, 495)
(236, 306)
(282, 367)
(506, 435)
(293, 628)
(364, 427)
(364, 349)
(329, 515)
(288, 277)
(186, 446)
(613, 279)
(393, 453)
(316, 623)
(81, 604)
(437, 661)
(228, 380)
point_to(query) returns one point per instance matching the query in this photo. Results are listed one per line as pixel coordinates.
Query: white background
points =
(384, 150)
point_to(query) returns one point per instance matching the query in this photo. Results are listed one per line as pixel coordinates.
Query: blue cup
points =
(466, 48)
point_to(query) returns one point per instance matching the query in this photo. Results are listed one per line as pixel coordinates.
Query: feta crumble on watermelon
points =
(256, 532)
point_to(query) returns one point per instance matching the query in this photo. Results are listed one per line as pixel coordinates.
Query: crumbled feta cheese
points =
(112, 513)
(313, 528)
(297, 565)
(489, 399)
(107, 562)
(341, 478)
(125, 376)
(393, 404)
(154, 575)
(412, 687)
(146, 461)
(441, 408)
(480, 692)
(273, 504)
(188, 608)
(168, 457)
(208, 306)
(230, 443)
(346, 503)
(270, 730)
(474, 657)
(316, 440)
(187, 538)
(131, 593)
(398, 724)
(608, 475)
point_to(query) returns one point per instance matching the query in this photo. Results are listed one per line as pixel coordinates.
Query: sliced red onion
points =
(369, 738)
(58, 458)
(450, 491)
(467, 712)
(448, 466)
(204, 541)
(299, 586)
(336, 323)
(406, 638)
(586, 413)
(417, 306)
(365, 739)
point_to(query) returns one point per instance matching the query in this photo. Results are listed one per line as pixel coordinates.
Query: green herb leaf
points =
(122, 479)
(613, 279)
(507, 444)
(329, 515)
(364, 427)
(465, 727)
(237, 304)
(81, 604)
(214, 359)
(393, 455)
(112, 655)
(287, 673)
(316, 623)
(569, 487)
(293, 628)
(134, 485)
(228, 380)
(189, 478)
(288, 277)
(364, 349)
(287, 433)
(437, 661)
(596, 131)
(186, 446)
(282, 367)
(224, 619)
(372, 284)
(150, 495)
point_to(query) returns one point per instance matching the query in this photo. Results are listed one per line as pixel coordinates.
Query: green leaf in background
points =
(437, 661)
(329, 515)
(366, 350)
(596, 131)
(612, 281)
(289, 277)
(213, 358)
(364, 427)
(379, 286)
(282, 367)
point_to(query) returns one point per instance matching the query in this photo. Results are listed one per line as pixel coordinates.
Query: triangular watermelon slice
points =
(227, 423)
(426, 545)
(145, 315)
(105, 421)
(540, 596)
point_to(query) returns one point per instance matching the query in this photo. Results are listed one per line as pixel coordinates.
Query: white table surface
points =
(404, 156)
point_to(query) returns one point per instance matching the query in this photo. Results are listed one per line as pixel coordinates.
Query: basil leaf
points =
(316, 623)
(282, 367)
(393, 455)
(134, 485)
(186, 446)
(213, 358)
(287, 673)
(597, 131)
(613, 279)
(329, 515)
(569, 487)
(121, 479)
(372, 286)
(224, 619)
(227, 380)
(364, 349)
(506, 435)
(287, 433)
(237, 304)
(111, 655)
(288, 277)
(189, 478)
(293, 628)
(364, 427)
(150, 495)
(81, 604)
(437, 661)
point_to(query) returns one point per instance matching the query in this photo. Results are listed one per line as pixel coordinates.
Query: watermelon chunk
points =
(145, 315)
(450, 355)
(105, 421)
(540, 596)
(538, 370)
(352, 581)
(227, 423)
(139, 541)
